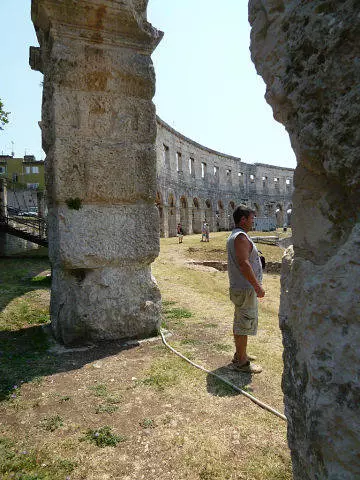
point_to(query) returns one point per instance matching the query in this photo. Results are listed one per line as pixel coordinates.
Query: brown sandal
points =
(251, 358)
(247, 367)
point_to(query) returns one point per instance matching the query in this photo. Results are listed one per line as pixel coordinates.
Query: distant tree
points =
(3, 116)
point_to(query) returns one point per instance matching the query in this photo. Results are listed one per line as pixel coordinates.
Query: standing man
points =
(207, 232)
(180, 233)
(245, 276)
(203, 232)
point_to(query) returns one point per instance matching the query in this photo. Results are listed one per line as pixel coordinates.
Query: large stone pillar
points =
(309, 56)
(99, 130)
(197, 216)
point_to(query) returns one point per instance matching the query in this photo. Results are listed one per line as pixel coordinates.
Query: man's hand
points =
(260, 292)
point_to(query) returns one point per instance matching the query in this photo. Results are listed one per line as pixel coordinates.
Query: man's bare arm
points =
(242, 251)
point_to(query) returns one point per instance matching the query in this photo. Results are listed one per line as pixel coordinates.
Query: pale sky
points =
(207, 87)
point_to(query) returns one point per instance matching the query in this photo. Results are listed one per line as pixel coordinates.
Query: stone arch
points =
(221, 217)
(269, 209)
(231, 208)
(171, 201)
(171, 215)
(288, 214)
(184, 213)
(209, 214)
(160, 206)
(196, 216)
(279, 213)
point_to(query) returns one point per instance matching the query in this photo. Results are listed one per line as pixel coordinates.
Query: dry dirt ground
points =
(137, 411)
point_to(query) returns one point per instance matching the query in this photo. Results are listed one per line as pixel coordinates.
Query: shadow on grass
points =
(25, 357)
(19, 276)
(220, 389)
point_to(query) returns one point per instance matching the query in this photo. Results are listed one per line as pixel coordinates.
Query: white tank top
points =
(236, 279)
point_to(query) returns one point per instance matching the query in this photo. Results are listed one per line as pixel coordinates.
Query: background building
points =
(26, 181)
(28, 171)
(197, 184)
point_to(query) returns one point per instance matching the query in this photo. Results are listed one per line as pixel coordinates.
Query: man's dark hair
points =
(242, 211)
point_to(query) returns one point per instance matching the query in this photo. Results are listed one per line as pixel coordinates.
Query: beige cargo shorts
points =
(246, 311)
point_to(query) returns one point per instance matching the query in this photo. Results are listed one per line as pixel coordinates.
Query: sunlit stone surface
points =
(99, 130)
(308, 53)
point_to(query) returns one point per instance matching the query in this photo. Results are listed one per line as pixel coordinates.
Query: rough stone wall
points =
(224, 189)
(308, 53)
(98, 131)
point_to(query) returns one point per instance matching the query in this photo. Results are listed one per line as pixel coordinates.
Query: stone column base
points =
(104, 304)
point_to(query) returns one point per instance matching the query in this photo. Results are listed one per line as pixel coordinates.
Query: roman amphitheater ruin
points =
(197, 184)
(97, 110)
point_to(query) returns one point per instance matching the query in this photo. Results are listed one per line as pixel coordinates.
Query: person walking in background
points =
(203, 232)
(207, 232)
(180, 233)
(245, 279)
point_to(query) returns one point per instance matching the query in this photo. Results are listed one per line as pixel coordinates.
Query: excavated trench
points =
(271, 267)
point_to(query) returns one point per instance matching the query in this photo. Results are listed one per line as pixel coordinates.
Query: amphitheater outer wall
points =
(195, 183)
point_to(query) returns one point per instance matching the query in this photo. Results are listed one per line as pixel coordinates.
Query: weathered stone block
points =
(103, 235)
(98, 68)
(78, 167)
(92, 304)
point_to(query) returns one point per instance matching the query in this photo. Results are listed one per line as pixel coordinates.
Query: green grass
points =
(177, 313)
(23, 292)
(270, 466)
(190, 341)
(23, 313)
(173, 314)
(214, 472)
(160, 380)
(102, 437)
(99, 390)
(114, 399)
(222, 347)
(64, 398)
(24, 304)
(147, 423)
(52, 423)
(29, 464)
(24, 358)
(106, 408)
(219, 388)
(190, 355)
(166, 303)
(110, 400)
(210, 325)
(21, 270)
(41, 281)
(167, 372)
(215, 250)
